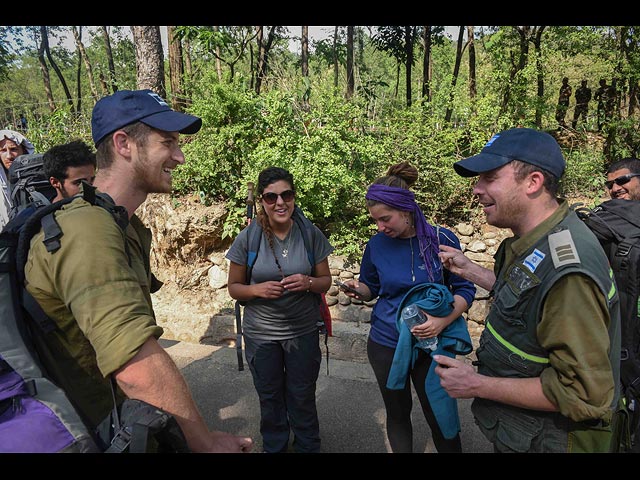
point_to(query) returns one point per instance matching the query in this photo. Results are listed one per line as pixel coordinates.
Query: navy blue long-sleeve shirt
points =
(386, 268)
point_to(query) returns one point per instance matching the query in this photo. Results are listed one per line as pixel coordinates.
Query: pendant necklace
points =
(413, 276)
(283, 246)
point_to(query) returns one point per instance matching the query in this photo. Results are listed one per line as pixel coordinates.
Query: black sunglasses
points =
(270, 198)
(621, 180)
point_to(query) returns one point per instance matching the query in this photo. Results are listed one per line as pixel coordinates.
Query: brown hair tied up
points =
(401, 175)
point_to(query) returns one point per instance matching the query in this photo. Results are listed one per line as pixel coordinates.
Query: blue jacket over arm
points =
(437, 300)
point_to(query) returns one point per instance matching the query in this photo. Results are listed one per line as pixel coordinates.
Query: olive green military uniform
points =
(555, 316)
(99, 296)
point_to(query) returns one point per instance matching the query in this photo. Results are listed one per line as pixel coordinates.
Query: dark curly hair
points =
(57, 159)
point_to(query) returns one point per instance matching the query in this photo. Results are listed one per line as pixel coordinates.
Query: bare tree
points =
(82, 53)
(112, 68)
(264, 46)
(176, 70)
(350, 77)
(399, 43)
(472, 64)
(304, 40)
(426, 65)
(188, 68)
(216, 29)
(409, 40)
(537, 40)
(44, 69)
(456, 71)
(335, 58)
(149, 59)
(44, 38)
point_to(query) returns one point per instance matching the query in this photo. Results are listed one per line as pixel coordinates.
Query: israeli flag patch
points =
(533, 260)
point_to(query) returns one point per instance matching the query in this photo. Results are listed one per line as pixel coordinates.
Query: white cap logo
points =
(158, 99)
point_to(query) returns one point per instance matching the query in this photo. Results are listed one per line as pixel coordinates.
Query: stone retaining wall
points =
(212, 321)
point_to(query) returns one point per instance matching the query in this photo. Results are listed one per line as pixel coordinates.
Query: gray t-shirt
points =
(295, 313)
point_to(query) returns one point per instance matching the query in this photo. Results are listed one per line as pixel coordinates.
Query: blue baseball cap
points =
(127, 106)
(524, 144)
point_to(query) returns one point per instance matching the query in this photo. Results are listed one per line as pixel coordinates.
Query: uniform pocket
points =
(509, 430)
(515, 295)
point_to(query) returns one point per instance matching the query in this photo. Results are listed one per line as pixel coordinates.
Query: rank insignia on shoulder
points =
(563, 250)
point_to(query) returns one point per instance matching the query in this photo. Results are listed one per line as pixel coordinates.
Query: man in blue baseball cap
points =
(548, 360)
(97, 286)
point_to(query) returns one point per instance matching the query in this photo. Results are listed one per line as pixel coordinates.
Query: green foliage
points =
(336, 148)
(584, 175)
(58, 127)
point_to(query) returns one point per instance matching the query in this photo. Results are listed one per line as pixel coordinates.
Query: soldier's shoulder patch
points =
(563, 249)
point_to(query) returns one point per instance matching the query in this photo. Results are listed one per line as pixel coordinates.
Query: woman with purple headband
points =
(403, 254)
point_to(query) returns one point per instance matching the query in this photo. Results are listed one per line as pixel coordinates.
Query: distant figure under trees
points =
(605, 96)
(563, 101)
(583, 97)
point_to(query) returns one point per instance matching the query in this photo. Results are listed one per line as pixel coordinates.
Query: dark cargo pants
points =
(285, 373)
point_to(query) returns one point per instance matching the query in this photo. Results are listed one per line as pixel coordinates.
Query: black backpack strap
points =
(306, 227)
(52, 233)
(254, 236)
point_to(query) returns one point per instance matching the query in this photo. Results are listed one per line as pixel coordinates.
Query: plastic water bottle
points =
(412, 316)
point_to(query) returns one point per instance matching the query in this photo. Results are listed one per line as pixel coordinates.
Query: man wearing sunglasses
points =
(623, 179)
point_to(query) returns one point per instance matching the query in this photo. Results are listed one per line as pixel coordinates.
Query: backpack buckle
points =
(120, 441)
(623, 249)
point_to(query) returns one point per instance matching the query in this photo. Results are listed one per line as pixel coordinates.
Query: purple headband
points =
(405, 200)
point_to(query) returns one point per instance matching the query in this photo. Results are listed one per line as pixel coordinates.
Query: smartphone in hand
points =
(346, 287)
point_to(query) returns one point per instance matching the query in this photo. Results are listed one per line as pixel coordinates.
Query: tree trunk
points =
(46, 79)
(426, 65)
(335, 58)
(149, 59)
(408, 50)
(540, 74)
(112, 67)
(304, 40)
(516, 67)
(261, 59)
(216, 29)
(45, 41)
(454, 79)
(176, 70)
(350, 78)
(82, 53)
(263, 54)
(79, 83)
(633, 97)
(472, 65)
(188, 68)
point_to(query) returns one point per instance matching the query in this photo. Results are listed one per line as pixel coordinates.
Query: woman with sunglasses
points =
(623, 179)
(280, 316)
(402, 255)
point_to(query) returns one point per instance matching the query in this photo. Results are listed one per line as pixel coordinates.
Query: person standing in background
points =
(583, 97)
(67, 166)
(563, 102)
(603, 96)
(623, 179)
(12, 145)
